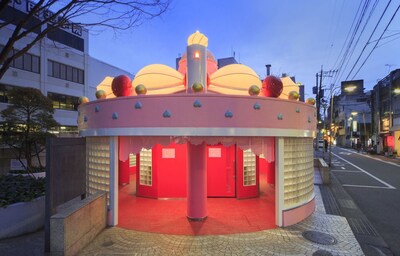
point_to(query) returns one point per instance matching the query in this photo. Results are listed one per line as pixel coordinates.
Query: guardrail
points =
(323, 170)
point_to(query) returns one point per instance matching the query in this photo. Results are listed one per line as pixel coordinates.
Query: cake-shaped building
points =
(200, 132)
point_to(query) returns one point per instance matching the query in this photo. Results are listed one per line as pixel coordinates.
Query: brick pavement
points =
(279, 241)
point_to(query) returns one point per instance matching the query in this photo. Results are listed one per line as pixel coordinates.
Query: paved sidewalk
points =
(279, 241)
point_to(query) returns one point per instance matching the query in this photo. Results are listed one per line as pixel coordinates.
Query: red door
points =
(247, 173)
(171, 170)
(221, 171)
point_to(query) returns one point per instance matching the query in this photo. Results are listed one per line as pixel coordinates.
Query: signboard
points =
(26, 6)
(355, 125)
(214, 152)
(168, 153)
(390, 141)
(16, 165)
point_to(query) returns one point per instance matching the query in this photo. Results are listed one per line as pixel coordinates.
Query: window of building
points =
(80, 76)
(35, 64)
(65, 72)
(65, 102)
(4, 92)
(65, 131)
(27, 61)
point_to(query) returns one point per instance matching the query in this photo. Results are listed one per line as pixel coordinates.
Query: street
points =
(374, 184)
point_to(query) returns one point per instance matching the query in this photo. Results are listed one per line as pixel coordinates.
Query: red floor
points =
(225, 215)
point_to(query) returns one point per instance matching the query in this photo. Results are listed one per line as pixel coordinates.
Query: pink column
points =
(197, 182)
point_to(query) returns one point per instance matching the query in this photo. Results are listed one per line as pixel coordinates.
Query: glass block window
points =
(145, 174)
(132, 160)
(298, 171)
(98, 165)
(249, 168)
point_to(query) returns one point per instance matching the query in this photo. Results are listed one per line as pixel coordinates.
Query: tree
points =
(26, 123)
(44, 16)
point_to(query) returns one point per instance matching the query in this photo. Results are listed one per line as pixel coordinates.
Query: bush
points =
(14, 189)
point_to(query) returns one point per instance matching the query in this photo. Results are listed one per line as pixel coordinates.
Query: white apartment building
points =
(59, 65)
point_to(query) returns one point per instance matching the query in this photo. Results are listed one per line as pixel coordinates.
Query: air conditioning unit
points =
(67, 85)
(66, 55)
(14, 73)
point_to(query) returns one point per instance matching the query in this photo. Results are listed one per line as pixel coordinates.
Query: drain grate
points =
(322, 253)
(319, 237)
(107, 243)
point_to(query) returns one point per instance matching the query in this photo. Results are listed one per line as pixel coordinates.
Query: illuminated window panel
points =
(298, 171)
(249, 168)
(145, 173)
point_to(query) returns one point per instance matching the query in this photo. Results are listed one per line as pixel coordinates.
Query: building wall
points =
(94, 71)
(72, 60)
(386, 111)
(352, 115)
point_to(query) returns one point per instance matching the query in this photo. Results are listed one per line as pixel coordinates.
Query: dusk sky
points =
(295, 37)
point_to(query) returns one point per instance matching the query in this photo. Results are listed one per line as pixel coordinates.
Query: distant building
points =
(59, 66)
(226, 61)
(386, 112)
(352, 115)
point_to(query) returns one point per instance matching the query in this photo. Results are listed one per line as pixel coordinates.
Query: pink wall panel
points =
(298, 214)
(121, 112)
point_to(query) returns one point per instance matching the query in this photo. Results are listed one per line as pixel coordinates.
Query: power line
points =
(361, 33)
(348, 34)
(391, 19)
(353, 34)
(365, 46)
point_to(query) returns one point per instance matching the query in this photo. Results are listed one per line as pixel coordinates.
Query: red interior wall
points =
(271, 173)
(123, 172)
(123, 166)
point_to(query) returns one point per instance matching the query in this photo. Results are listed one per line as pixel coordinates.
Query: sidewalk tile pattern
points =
(279, 241)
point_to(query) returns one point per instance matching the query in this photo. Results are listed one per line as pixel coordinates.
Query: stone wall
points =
(76, 226)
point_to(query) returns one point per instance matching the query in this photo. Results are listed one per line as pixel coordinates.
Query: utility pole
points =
(320, 93)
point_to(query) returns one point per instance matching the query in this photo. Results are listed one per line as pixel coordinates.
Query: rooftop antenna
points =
(389, 66)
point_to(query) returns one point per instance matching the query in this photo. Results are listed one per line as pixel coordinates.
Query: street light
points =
(350, 88)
